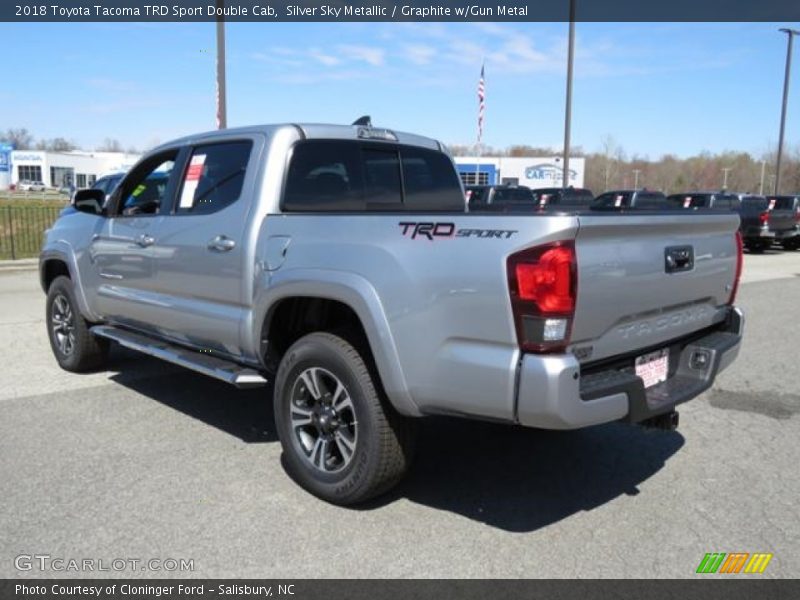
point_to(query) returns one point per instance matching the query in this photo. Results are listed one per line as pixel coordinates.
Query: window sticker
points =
(772, 202)
(687, 202)
(138, 190)
(618, 200)
(190, 181)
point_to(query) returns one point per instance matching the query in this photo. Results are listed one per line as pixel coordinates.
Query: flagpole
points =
(481, 107)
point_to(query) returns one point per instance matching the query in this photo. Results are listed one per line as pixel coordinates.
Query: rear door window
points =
(214, 177)
(324, 175)
(613, 200)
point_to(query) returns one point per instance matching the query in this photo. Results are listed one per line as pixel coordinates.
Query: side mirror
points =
(89, 201)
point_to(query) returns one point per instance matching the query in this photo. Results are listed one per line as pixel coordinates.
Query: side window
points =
(605, 200)
(430, 181)
(382, 178)
(214, 177)
(521, 196)
(324, 175)
(145, 188)
(102, 185)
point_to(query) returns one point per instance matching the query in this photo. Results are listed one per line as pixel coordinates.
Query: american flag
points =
(481, 104)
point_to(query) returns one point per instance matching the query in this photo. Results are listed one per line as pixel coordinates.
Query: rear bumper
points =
(556, 392)
(757, 234)
(787, 234)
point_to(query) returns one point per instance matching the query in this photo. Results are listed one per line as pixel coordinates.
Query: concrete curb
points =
(23, 264)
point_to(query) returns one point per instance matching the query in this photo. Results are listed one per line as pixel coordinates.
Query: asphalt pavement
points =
(148, 461)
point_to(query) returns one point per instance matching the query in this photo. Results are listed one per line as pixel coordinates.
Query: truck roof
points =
(316, 131)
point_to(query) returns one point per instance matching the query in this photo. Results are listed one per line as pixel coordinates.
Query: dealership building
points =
(533, 172)
(60, 169)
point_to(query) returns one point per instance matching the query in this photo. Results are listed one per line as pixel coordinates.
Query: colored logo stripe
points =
(722, 562)
(734, 562)
(711, 562)
(758, 563)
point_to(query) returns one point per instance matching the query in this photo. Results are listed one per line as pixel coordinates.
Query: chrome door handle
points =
(221, 243)
(145, 240)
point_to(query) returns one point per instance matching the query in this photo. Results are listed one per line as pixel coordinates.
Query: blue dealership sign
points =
(5, 157)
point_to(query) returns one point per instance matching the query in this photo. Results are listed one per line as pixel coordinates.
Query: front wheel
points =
(74, 347)
(342, 440)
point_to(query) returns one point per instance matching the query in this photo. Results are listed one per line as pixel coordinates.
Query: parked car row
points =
(764, 220)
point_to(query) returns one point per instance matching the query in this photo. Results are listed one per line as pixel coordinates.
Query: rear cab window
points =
(781, 203)
(650, 200)
(342, 176)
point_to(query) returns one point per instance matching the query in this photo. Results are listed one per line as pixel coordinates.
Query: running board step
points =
(218, 368)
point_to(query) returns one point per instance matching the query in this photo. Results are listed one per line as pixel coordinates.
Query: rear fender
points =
(351, 290)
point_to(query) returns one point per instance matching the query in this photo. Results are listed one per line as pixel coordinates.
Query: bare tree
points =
(58, 144)
(20, 138)
(525, 150)
(110, 145)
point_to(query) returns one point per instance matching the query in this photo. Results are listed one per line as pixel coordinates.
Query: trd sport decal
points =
(448, 230)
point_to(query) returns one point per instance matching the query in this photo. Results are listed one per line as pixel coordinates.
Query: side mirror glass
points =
(89, 201)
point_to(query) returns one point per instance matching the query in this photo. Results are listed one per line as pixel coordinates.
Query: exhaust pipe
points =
(666, 422)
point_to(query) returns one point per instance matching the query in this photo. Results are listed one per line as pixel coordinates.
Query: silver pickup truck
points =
(339, 265)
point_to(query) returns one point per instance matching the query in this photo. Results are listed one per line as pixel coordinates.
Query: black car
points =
(500, 198)
(630, 199)
(569, 198)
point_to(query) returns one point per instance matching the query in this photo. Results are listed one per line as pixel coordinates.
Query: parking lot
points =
(147, 461)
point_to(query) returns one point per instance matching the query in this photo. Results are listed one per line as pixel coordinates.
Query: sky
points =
(655, 88)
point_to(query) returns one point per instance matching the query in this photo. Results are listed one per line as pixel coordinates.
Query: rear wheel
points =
(342, 440)
(74, 347)
(791, 245)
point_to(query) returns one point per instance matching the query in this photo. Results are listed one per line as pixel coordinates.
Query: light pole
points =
(791, 33)
(568, 111)
(222, 105)
(636, 178)
(725, 171)
(763, 171)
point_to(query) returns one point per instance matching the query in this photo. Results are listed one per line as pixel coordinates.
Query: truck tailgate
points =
(629, 298)
(782, 221)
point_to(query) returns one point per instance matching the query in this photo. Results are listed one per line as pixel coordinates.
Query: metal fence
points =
(22, 229)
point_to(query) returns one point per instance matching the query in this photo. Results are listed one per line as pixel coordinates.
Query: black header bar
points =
(270, 11)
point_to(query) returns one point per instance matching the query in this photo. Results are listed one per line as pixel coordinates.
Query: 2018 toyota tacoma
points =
(339, 264)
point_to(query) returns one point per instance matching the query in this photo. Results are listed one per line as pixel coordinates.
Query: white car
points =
(32, 186)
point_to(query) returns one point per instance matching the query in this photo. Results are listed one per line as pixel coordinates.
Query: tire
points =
(791, 245)
(74, 347)
(342, 440)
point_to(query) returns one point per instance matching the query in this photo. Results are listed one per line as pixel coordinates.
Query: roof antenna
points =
(364, 121)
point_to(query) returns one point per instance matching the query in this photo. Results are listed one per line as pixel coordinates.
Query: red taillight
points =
(543, 284)
(764, 218)
(797, 216)
(739, 264)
